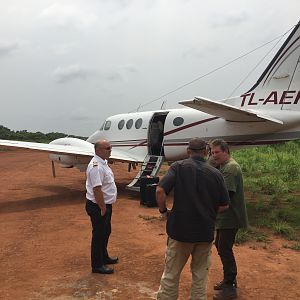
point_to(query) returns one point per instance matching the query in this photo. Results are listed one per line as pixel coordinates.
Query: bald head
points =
(103, 149)
(100, 143)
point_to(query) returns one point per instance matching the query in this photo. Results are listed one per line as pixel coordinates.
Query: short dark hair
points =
(221, 143)
(197, 144)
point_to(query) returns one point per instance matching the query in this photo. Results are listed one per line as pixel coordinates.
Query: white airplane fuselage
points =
(174, 138)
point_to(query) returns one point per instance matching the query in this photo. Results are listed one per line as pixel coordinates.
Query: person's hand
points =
(165, 215)
(103, 210)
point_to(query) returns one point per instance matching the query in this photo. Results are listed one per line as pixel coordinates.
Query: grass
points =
(284, 229)
(272, 189)
(244, 235)
(295, 246)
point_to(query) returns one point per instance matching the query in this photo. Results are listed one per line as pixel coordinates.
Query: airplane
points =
(268, 113)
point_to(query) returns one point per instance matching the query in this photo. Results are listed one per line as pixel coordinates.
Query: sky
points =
(66, 65)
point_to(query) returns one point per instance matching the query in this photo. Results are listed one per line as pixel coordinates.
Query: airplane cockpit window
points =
(121, 124)
(107, 125)
(101, 128)
(138, 123)
(178, 121)
(129, 123)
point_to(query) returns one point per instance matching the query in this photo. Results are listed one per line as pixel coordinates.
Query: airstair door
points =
(156, 134)
(150, 167)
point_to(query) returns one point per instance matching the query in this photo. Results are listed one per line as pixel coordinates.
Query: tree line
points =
(39, 137)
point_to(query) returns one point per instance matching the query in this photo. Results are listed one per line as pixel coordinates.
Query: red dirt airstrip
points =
(45, 242)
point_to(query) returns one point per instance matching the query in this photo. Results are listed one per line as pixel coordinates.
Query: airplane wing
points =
(228, 112)
(66, 148)
(123, 155)
(71, 146)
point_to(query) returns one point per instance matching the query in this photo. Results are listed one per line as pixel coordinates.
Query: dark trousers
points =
(101, 231)
(224, 242)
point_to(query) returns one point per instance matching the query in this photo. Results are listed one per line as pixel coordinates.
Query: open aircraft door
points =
(156, 133)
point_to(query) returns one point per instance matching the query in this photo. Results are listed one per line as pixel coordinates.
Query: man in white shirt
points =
(101, 193)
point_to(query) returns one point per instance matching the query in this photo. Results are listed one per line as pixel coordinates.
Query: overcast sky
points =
(66, 65)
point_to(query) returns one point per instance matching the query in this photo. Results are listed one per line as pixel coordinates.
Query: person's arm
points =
(222, 208)
(225, 196)
(161, 197)
(163, 189)
(99, 199)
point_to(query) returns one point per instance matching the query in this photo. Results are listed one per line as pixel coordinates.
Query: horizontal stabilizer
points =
(227, 112)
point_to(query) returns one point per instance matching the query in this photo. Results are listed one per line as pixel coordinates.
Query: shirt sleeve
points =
(168, 181)
(96, 176)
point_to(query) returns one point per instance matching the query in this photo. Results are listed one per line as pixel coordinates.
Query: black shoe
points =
(223, 284)
(103, 270)
(111, 260)
(227, 293)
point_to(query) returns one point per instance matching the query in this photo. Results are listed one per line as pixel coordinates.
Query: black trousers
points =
(224, 242)
(101, 231)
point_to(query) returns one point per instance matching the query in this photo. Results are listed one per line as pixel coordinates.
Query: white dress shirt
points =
(98, 173)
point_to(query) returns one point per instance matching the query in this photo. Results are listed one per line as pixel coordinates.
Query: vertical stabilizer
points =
(283, 72)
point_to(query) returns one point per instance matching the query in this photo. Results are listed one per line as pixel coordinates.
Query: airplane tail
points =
(278, 86)
(275, 98)
(284, 67)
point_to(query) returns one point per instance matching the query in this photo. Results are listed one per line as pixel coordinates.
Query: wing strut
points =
(53, 169)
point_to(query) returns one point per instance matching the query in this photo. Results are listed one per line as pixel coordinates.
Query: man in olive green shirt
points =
(229, 221)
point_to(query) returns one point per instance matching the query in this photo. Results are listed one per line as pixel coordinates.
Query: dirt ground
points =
(45, 242)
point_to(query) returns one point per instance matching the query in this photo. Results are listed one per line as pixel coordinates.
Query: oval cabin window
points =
(121, 124)
(178, 121)
(107, 125)
(129, 123)
(138, 123)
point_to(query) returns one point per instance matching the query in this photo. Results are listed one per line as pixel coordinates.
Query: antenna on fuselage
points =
(163, 105)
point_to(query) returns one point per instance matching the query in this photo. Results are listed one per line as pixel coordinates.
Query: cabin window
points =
(107, 125)
(178, 121)
(138, 123)
(129, 123)
(101, 128)
(121, 124)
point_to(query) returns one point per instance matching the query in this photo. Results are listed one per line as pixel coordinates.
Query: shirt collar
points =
(101, 160)
(199, 158)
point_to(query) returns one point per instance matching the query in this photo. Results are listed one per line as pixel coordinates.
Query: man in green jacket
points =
(229, 221)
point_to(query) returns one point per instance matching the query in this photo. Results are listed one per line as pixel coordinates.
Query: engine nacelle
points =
(72, 160)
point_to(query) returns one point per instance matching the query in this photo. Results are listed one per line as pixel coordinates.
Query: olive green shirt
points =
(236, 215)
